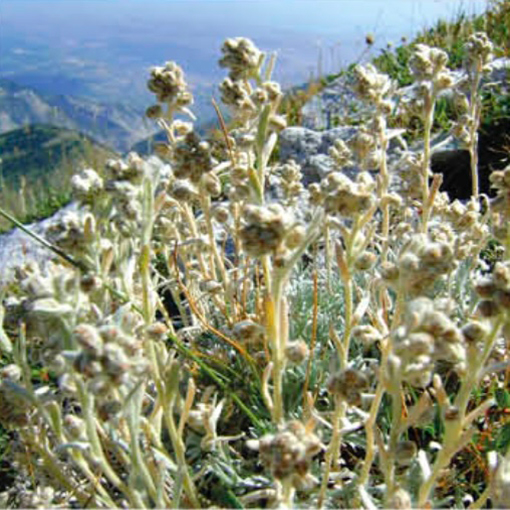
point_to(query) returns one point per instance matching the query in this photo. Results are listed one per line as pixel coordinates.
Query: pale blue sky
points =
(116, 41)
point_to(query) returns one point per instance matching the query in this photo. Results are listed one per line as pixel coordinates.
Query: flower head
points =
(241, 57)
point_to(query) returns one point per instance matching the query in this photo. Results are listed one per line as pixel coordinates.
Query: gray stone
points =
(299, 144)
(310, 149)
(317, 167)
(499, 71)
(328, 137)
(17, 247)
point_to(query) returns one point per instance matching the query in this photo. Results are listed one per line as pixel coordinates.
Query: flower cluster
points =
(236, 95)
(191, 158)
(340, 154)
(346, 198)
(241, 57)
(464, 227)
(170, 87)
(109, 355)
(479, 51)
(348, 385)
(264, 229)
(420, 264)
(494, 289)
(86, 185)
(370, 85)
(500, 181)
(289, 181)
(289, 452)
(428, 63)
(428, 335)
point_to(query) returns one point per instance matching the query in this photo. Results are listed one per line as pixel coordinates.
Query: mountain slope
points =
(37, 151)
(118, 126)
(36, 166)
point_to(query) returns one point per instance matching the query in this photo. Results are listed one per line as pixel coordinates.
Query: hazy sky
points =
(118, 40)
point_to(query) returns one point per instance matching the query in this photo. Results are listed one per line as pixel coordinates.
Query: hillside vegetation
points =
(37, 163)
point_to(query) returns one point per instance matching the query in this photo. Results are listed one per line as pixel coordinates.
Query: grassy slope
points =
(37, 163)
(38, 150)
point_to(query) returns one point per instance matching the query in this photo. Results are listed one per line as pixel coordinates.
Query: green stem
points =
(87, 405)
(454, 428)
(396, 405)
(179, 449)
(428, 122)
(383, 190)
(275, 338)
(260, 160)
(473, 134)
(137, 459)
(370, 422)
(333, 449)
(288, 492)
(349, 306)
(144, 264)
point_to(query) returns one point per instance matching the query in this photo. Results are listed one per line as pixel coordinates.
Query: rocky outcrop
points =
(310, 149)
(309, 145)
(16, 247)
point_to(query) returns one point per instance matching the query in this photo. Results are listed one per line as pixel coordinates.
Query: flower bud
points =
(154, 112)
(474, 331)
(74, 426)
(248, 331)
(401, 500)
(451, 413)
(212, 185)
(487, 308)
(220, 214)
(11, 372)
(295, 237)
(405, 452)
(365, 261)
(297, 352)
(89, 339)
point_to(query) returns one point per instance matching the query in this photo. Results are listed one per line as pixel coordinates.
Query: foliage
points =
(37, 163)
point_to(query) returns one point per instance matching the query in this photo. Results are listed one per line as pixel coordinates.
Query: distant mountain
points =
(118, 126)
(38, 151)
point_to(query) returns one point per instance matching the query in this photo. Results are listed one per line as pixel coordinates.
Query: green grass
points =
(451, 37)
(37, 163)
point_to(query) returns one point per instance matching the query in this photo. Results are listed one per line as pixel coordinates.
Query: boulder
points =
(17, 247)
(310, 149)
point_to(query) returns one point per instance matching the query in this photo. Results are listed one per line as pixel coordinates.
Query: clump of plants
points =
(213, 333)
